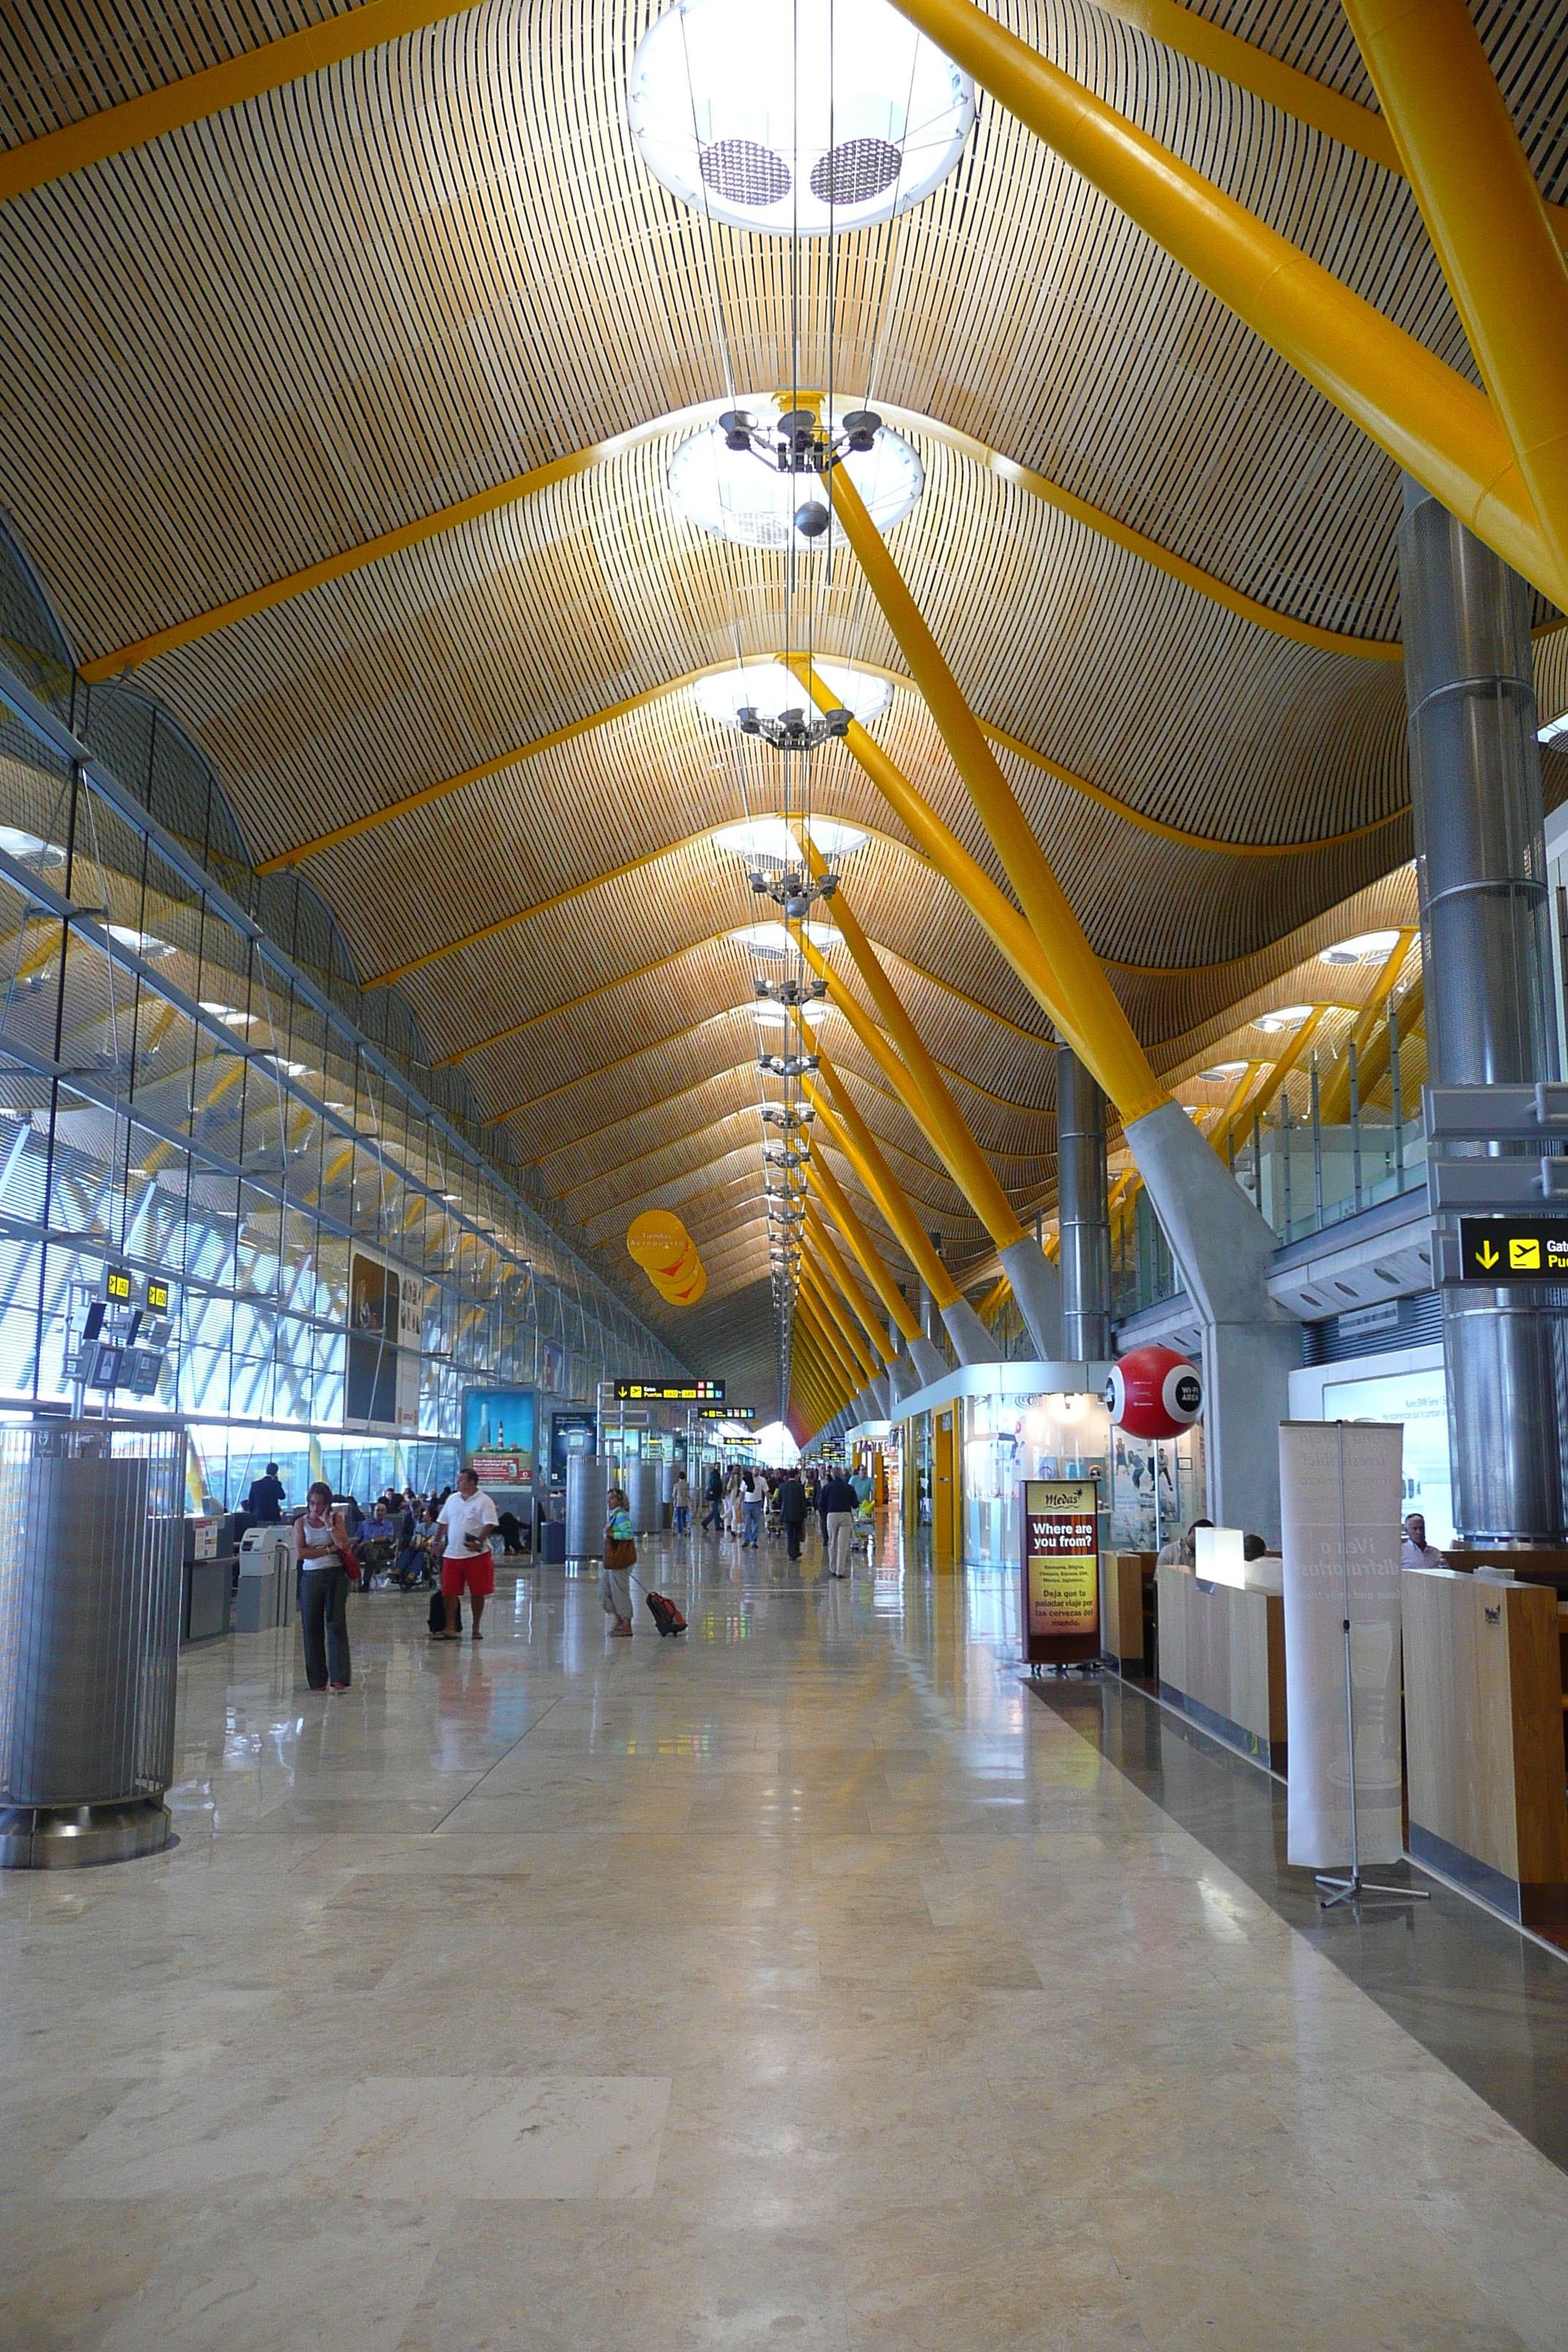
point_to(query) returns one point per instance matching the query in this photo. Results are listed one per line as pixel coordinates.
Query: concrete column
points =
(926, 1360)
(972, 1342)
(1038, 1291)
(1082, 1187)
(1480, 866)
(901, 1380)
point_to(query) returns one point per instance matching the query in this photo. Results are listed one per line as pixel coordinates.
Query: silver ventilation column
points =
(1481, 863)
(1081, 1201)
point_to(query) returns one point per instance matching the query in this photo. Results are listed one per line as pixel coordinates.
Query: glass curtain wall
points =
(193, 1085)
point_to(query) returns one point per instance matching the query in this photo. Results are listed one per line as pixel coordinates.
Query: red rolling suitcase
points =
(665, 1614)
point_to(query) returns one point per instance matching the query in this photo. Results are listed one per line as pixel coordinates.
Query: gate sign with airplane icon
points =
(1513, 1249)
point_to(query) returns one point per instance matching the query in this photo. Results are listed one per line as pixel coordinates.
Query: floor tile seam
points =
(1423, 2059)
(543, 1714)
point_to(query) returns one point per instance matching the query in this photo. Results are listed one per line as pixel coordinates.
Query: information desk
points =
(1484, 1737)
(1222, 1661)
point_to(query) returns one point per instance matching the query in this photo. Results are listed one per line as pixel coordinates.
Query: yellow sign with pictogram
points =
(1513, 1249)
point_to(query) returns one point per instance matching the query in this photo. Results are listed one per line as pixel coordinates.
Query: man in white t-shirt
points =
(467, 1520)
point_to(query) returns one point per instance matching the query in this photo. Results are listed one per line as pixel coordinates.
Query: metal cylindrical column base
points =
(642, 1496)
(587, 1474)
(1480, 864)
(73, 1837)
(1081, 1199)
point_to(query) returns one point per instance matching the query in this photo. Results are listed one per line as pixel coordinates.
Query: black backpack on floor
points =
(438, 1614)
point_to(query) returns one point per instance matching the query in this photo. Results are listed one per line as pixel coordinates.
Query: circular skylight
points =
(1222, 1070)
(772, 837)
(736, 495)
(854, 118)
(1288, 1016)
(771, 939)
(1367, 947)
(770, 689)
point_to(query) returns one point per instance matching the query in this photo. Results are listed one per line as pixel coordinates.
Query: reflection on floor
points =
(802, 1982)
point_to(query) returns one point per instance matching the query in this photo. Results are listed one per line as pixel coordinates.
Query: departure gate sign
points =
(1061, 1571)
(1513, 1249)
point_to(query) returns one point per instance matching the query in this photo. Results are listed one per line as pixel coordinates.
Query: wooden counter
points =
(1222, 1661)
(1126, 1625)
(1484, 1737)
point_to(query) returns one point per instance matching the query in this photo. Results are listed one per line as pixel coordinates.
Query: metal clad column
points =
(1082, 1199)
(1481, 863)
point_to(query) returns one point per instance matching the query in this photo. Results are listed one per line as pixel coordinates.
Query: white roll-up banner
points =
(1341, 1489)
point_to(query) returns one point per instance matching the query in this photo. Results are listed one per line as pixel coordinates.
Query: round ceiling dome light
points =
(768, 687)
(1288, 1016)
(1367, 947)
(729, 492)
(857, 119)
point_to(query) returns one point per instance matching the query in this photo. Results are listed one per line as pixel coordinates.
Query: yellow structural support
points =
(1334, 1102)
(995, 914)
(860, 1148)
(1094, 1012)
(848, 1363)
(114, 130)
(1484, 213)
(1229, 1107)
(822, 1240)
(815, 1287)
(913, 1072)
(808, 1317)
(898, 1309)
(1428, 419)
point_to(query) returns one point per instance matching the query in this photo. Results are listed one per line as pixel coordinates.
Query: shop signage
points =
(669, 1391)
(1061, 1571)
(1513, 1249)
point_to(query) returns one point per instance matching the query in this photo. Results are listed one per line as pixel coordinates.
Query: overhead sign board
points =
(669, 1391)
(726, 1413)
(1061, 1571)
(1513, 1249)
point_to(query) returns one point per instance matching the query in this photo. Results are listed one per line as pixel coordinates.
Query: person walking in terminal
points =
(754, 1496)
(319, 1542)
(467, 1520)
(793, 1510)
(838, 1509)
(680, 1502)
(620, 1558)
(713, 1496)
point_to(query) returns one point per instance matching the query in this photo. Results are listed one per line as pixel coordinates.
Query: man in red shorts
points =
(467, 1520)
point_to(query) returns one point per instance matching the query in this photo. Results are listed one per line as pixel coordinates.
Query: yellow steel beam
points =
(1484, 213)
(1239, 1094)
(871, 1353)
(859, 1147)
(823, 1181)
(114, 130)
(810, 1284)
(808, 1303)
(1276, 1075)
(1334, 1101)
(912, 1070)
(1093, 1018)
(994, 1298)
(854, 1298)
(1422, 413)
(995, 914)
(1374, 1062)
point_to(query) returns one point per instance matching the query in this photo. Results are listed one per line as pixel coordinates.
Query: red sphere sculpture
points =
(1154, 1392)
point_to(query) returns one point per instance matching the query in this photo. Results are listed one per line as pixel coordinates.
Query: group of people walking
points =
(740, 1501)
(461, 1533)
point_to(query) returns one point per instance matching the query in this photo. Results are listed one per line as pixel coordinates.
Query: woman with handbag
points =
(620, 1558)
(326, 1562)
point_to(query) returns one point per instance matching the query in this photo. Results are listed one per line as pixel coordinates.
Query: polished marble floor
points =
(804, 1982)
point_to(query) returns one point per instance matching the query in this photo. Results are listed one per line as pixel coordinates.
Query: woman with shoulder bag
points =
(620, 1558)
(322, 1549)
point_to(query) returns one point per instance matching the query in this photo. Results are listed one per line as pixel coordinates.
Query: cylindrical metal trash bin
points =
(642, 1494)
(587, 1476)
(91, 1544)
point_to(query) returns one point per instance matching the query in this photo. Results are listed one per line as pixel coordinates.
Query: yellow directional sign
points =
(1513, 1249)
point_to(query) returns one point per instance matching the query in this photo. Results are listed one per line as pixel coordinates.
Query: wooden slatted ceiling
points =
(334, 310)
(471, 271)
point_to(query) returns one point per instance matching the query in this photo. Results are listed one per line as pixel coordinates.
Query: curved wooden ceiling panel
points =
(253, 345)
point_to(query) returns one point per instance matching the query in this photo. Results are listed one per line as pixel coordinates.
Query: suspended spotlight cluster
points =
(792, 991)
(789, 1065)
(785, 1114)
(794, 730)
(755, 477)
(794, 889)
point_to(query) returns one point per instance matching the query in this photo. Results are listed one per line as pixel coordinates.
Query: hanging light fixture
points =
(770, 689)
(864, 119)
(756, 476)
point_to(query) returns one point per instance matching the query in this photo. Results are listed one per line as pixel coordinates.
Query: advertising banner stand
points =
(1060, 1592)
(1341, 1487)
